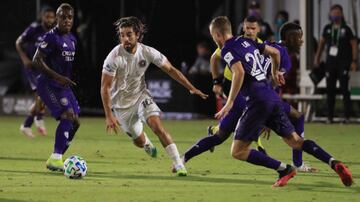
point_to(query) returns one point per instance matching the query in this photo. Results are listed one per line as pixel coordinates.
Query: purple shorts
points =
(58, 100)
(258, 115)
(228, 123)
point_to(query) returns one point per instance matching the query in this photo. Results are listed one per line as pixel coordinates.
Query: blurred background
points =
(179, 29)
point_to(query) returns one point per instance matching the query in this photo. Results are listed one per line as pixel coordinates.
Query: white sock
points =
(147, 140)
(56, 156)
(330, 161)
(282, 167)
(173, 152)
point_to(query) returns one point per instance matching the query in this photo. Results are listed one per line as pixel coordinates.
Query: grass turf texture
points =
(118, 171)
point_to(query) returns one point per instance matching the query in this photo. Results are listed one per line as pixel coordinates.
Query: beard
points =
(129, 47)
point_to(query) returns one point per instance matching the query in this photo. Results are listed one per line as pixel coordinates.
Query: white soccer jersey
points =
(129, 72)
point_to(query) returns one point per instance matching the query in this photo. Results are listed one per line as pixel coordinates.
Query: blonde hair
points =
(221, 24)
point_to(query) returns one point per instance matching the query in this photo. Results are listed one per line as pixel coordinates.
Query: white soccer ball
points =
(75, 167)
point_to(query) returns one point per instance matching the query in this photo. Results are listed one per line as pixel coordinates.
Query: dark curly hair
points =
(134, 22)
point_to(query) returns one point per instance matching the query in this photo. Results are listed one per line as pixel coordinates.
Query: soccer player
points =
(26, 45)
(218, 134)
(126, 100)
(264, 106)
(54, 58)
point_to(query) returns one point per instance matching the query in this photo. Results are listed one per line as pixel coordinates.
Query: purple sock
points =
(62, 135)
(299, 128)
(258, 158)
(312, 148)
(71, 136)
(28, 121)
(201, 146)
(39, 116)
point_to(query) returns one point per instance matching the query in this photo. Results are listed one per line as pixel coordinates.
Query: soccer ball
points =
(75, 167)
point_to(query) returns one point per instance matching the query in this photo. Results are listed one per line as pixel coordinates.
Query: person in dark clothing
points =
(341, 56)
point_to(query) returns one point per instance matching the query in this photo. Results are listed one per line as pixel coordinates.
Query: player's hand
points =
(266, 133)
(65, 81)
(217, 89)
(112, 124)
(199, 93)
(280, 80)
(224, 111)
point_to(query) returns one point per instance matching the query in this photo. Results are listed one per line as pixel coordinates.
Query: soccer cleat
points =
(285, 176)
(40, 126)
(344, 173)
(180, 170)
(306, 169)
(151, 150)
(210, 133)
(27, 131)
(55, 164)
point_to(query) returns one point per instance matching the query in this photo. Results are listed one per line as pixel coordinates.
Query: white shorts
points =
(131, 118)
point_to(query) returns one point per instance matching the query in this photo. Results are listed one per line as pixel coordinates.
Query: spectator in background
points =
(281, 18)
(266, 32)
(26, 45)
(202, 64)
(341, 56)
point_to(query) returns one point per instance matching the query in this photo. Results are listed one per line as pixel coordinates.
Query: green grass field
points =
(118, 171)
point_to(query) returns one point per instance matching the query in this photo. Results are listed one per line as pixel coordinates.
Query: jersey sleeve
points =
(229, 56)
(47, 46)
(28, 33)
(156, 57)
(218, 52)
(260, 46)
(109, 66)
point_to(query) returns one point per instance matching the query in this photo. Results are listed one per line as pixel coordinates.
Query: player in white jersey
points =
(125, 98)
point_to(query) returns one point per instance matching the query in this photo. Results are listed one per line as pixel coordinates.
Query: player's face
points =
(128, 38)
(48, 19)
(296, 41)
(251, 30)
(65, 20)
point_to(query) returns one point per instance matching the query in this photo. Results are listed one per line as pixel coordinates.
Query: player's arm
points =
(238, 74)
(214, 67)
(111, 122)
(168, 68)
(319, 51)
(275, 64)
(39, 63)
(19, 44)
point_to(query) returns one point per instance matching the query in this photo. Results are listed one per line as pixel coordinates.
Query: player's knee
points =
(238, 153)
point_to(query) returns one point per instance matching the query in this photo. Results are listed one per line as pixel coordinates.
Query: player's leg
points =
(280, 123)
(131, 124)
(156, 126)
(40, 111)
(25, 128)
(249, 129)
(227, 126)
(315, 150)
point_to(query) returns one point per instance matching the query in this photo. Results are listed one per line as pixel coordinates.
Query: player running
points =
(264, 106)
(126, 100)
(26, 45)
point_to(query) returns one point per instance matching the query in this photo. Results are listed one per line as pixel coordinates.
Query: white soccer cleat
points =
(150, 149)
(40, 125)
(27, 131)
(306, 169)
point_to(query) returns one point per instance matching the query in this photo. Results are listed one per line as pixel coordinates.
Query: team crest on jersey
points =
(142, 63)
(228, 57)
(64, 101)
(43, 44)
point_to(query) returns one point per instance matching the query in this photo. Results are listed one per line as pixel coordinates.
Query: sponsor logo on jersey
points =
(142, 63)
(228, 57)
(64, 101)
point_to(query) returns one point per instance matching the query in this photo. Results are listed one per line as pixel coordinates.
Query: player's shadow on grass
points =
(42, 160)
(300, 186)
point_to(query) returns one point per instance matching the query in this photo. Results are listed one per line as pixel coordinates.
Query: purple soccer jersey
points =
(32, 37)
(60, 52)
(264, 107)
